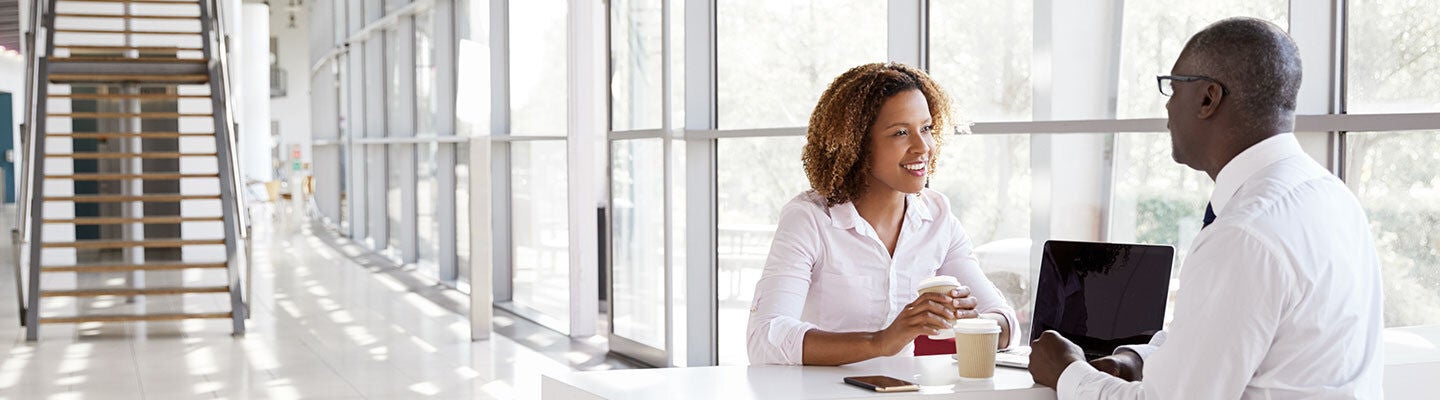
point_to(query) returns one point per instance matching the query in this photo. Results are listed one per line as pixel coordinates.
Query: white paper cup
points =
(942, 284)
(975, 342)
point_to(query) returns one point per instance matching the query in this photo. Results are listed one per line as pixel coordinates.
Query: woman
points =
(839, 284)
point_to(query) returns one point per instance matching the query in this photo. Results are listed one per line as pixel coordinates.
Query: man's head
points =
(1236, 85)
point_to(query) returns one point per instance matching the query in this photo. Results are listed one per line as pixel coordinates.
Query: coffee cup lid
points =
(940, 280)
(976, 325)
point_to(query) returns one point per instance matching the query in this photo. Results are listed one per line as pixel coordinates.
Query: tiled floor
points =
(322, 327)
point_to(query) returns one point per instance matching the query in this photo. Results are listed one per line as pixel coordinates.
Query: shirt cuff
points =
(789, 339)
(1077, 374)
(1143, 350)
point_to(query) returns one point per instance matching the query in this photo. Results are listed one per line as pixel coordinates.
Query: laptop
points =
(1098, 295)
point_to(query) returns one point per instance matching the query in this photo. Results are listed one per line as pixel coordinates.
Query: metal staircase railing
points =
(27, 236)
(214, 42)
(39, 33)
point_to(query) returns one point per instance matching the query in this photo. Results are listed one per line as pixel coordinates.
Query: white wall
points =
(292, 54)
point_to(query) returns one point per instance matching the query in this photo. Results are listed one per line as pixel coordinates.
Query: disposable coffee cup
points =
(975, 342)
(942, 284)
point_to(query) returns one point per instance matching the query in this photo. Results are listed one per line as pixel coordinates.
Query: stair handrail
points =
(35, 36)
(219, 46)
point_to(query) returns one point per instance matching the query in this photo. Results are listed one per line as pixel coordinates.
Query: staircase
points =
(129, 208)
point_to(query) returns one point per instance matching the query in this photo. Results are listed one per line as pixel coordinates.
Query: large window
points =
(980, 52)
(635, 65)
(1393, 58)
(1154, 33)
(637, 196)
(537, 67)
(541, 229)
(757, 176)
(1396, 176)
(776, 57)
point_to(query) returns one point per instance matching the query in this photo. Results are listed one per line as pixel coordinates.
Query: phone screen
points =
(881, 383)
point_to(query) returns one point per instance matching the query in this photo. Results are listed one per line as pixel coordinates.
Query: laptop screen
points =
(1102, 295)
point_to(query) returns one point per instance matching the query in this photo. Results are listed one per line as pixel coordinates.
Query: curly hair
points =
(837, 143)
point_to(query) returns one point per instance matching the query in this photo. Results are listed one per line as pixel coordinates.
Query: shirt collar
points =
(844, 215)
(1247, 163)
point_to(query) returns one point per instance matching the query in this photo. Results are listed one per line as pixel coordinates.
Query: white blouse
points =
(828, 269)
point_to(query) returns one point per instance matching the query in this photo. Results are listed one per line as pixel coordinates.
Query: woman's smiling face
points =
(901, 145)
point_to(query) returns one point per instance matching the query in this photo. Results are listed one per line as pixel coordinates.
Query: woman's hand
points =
(964, 304)
(927, 315)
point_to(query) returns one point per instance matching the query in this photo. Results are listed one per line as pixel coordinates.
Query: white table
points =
(1412, 363)
(937, 374)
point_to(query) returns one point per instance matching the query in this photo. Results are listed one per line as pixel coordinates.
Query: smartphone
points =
(882, 383)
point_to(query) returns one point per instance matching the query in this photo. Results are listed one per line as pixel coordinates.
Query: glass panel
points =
(774, 58)
(1392, 58)
(757, 176)
(394, 206)
(1155, 199)
(987, 178)
(537, 67)
(540, 228)
(425, 96)
(462, 216)
(984, 62)
(1396, 176)
(1156, 31)
(427, 229)
(637, 228)
(635, 59)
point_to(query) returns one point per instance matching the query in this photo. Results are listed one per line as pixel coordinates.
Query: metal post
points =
(37, 196)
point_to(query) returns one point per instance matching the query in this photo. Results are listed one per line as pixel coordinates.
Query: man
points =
(1280, 297)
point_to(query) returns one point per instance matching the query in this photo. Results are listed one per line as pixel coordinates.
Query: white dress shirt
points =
(829, 270)
(1280, 297)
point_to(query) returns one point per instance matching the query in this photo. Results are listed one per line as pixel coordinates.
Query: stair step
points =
(116, 135)
(90, 59)
(121, 244)
(120, 177)
(112, 156)
(133, 292)
(127, 96)
(131, 16)
(122, 48)
(117, 198)
(179, 79)
(130, 220)
(169, 266)
(158, 114)
(124, 32)
(130, 318)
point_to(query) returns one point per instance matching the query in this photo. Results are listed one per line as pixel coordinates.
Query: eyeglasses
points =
(1167, 89)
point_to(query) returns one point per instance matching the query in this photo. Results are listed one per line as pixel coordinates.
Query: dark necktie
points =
(1209, 215)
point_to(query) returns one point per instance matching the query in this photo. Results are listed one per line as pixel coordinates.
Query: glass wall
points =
(770, 62)
(388, 119)
(541, 229)
(637, 227)
(980, 52)
(773, 58)
(1392, 63)
(756, 177)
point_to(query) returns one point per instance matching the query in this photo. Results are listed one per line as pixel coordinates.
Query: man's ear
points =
(1210, 104)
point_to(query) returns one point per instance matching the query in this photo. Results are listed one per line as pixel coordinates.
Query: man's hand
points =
(1050, 355)
(1124, 365)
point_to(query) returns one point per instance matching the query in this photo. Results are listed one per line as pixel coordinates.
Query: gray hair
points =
(1257, 61)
